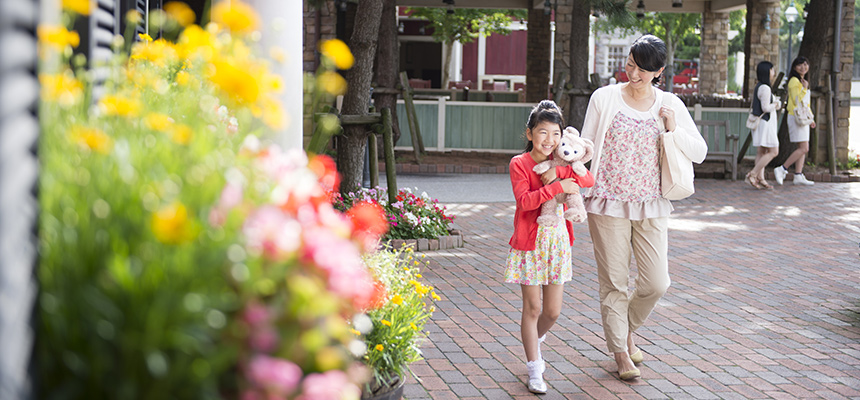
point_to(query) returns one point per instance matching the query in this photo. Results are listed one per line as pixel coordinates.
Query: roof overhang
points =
(696, 6)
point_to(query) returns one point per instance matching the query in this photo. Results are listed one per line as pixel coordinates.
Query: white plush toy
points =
(574, 151)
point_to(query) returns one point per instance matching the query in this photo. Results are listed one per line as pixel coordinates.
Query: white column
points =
(440, 127)
(457, 62)
(281, 25)
(482, 59)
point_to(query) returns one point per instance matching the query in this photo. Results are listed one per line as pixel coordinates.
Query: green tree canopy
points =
(464, 25)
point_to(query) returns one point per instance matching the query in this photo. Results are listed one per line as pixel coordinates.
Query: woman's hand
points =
(548, 176)
(569, 185)
(668, 115)
(812, 125)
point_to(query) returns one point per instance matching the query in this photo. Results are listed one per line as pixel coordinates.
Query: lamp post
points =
(790, 16)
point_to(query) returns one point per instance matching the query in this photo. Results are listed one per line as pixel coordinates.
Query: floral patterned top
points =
(627, 183)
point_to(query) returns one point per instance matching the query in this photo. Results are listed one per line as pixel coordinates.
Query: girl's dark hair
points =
(762, 72)
(545, 111)
(797, 61)
(649, 53)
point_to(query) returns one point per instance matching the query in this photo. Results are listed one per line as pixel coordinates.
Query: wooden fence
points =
(499, 127)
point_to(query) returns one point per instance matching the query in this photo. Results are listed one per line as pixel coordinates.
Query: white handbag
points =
(676, 170)
(802, 112)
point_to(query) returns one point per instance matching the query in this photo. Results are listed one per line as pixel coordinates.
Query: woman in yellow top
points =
(798, 90)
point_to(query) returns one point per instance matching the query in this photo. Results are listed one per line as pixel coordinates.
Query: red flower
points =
(325, 168)
(368, 218)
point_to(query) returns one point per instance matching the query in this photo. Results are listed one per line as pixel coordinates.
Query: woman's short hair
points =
(649, 53)
(762, 72)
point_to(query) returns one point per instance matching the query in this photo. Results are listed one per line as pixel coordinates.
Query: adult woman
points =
(626, 207)
(798, 91)
(764, 136)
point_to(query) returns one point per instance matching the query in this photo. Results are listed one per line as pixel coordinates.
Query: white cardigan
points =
(606, 102)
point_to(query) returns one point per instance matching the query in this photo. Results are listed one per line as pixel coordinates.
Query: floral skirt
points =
(548, 264)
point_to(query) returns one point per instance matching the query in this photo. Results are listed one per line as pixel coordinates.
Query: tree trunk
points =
(537, 62)
(447, 50)
(814, 47)
(669, 71)
(579, 31)
(387, 63)
(352, 144)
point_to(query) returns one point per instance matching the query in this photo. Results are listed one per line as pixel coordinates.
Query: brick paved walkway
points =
(764, 304)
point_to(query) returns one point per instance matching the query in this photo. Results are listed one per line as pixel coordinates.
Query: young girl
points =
(539, 259)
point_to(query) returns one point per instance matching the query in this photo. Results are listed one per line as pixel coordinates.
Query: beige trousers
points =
(613, 239)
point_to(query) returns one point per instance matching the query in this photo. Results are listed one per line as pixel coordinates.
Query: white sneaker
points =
(536, 383)
(799, 179)
(779, 173)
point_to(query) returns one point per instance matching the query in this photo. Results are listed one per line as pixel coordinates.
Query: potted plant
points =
(394, 333)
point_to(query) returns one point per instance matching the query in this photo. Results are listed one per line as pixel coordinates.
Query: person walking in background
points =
(798, 96)
(765, 135)
(626, 208)
(540, 257)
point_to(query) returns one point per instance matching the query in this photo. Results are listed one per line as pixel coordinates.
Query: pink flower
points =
(255, 314)
(340, 259)
(276, 375)
(264, 339)
(231, 196)
(271, 232)
(332, 385)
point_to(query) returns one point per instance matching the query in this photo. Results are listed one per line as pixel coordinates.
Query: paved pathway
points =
(764, 303)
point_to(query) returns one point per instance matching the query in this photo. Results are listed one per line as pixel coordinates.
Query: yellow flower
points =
(145, 37)
(92, 138)
(277, 54)
(182, 78)
(78, 6)
(158, 122)
(418, 276)
(171, 225)
(386, 322)
(414, 327)
(417, 263)
(236, 82)
(180, 12)
(62, 88)
(332, 82)
(196, 41)
(338, 52)
(120, 106)
(397, 299)
(379, 347)
(236, 16)
(435, 296)
(159, 52)
(57, 37)
(355, 332)
(181, 134)
(133, 17)
(273, 114)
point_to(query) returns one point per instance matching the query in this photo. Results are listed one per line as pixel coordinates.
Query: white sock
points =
(536, 369)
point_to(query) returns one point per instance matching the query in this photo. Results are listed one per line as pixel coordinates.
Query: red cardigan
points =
(530, 194)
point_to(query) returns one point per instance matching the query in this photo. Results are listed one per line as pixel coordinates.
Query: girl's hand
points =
(548, 176)
(569, 185)
(812, 125)
(668, 115)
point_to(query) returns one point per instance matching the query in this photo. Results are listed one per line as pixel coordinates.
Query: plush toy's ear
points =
(572, 131)
(589, 150)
